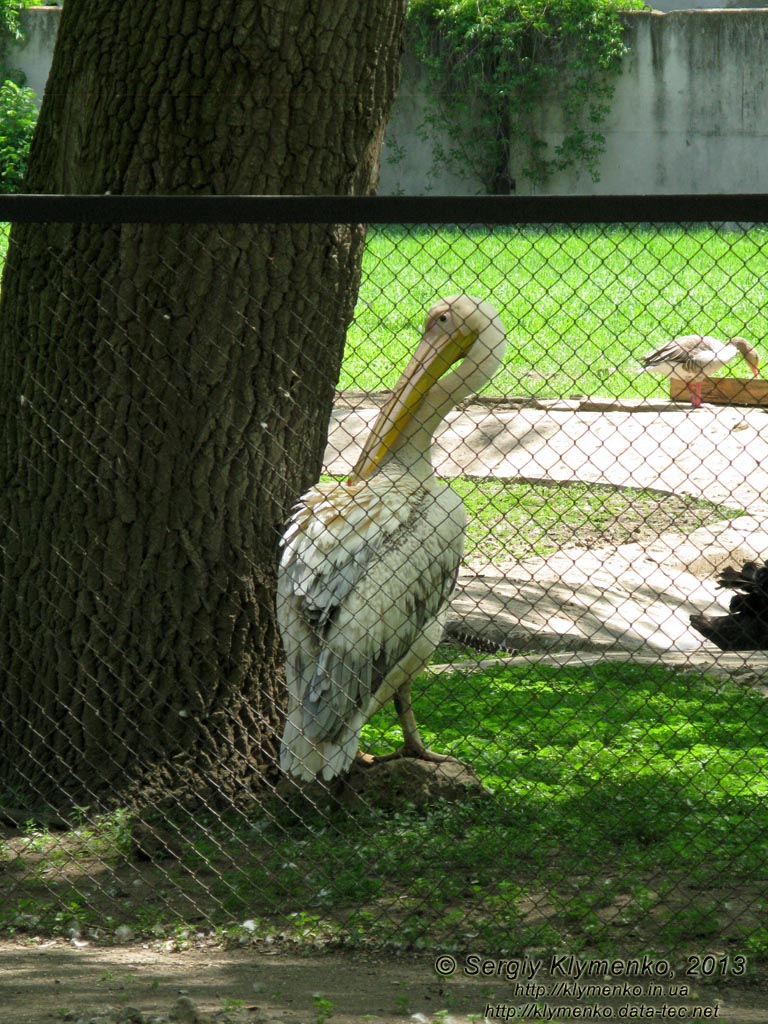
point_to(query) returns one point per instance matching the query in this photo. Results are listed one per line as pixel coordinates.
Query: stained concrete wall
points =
(690, 114)
(35, 53)
(699, 5)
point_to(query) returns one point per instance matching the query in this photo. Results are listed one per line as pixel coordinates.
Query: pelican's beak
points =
(440, 347)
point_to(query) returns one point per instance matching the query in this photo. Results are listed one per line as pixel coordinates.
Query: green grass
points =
(510, 520)
(581, 306)
(629, 813)
(629, 808)
(610, 780)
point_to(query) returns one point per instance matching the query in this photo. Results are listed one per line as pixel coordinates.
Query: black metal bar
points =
(105, 209)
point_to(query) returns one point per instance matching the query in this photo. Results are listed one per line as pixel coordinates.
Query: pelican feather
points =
(368, 564)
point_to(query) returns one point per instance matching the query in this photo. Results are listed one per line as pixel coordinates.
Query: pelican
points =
(695, 357)
(368, 564)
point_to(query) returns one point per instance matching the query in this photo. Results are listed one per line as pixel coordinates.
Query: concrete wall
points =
(690, 112)
(34, 54)
(700, 5)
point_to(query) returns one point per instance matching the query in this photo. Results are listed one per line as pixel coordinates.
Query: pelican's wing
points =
(365, 569)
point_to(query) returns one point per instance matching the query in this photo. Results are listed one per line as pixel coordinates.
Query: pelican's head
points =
(460, 329)
(749, 352)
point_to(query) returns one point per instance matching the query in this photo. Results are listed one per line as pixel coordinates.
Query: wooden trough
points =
(723, 391)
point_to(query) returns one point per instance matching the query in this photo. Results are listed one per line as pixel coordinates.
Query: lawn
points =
(581, 305)
(622, 794)
(628, 814)
(628, 809)
(512, 521)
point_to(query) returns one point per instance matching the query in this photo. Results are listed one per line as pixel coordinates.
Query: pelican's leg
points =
(413, 744)
(694, 387)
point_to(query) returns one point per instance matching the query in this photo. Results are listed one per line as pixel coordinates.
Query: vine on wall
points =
(492, 64)
(10, 32)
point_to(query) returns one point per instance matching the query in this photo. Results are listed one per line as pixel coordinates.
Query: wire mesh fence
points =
(605, 775)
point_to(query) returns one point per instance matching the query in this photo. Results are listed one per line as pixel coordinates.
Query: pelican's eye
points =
(443, 318)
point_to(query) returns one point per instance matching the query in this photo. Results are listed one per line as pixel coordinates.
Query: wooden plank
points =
(724, 391)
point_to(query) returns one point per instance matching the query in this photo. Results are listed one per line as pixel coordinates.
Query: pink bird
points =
(695, 357)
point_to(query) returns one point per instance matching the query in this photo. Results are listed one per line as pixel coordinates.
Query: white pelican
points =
(368, 565)
(695, 357)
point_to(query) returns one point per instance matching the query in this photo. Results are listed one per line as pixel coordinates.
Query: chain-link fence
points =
(605, 782)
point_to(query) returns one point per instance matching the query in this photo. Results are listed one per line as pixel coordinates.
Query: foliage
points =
(18, 117)
(324, 1008)
(492, 64)
(18, 110)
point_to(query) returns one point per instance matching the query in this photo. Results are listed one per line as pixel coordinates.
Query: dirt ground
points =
(54, 982)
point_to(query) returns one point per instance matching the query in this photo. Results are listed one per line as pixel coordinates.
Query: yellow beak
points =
(436, 353)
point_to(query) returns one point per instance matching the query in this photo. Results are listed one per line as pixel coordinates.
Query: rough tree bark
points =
(165, 391)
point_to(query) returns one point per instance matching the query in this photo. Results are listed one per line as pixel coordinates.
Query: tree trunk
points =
(165, 391)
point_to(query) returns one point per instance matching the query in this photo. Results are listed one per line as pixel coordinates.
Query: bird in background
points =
(368, 564)
(745, 628)
(695, 357)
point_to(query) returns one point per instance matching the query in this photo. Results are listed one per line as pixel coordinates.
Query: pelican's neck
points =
(412, 452)
(400, 439)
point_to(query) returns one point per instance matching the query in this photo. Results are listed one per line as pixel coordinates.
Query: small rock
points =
(184, 1011)
(130, 1015)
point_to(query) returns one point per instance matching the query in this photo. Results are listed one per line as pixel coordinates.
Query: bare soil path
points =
(48, 983)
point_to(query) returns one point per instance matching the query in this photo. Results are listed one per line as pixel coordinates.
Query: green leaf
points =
(491, 64)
